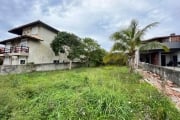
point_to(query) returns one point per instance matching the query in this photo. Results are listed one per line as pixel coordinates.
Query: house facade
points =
(32, 45)
(159, 56)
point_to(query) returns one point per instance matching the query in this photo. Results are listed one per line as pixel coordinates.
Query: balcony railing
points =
(172, 44)
(17, 49)
(4, 50)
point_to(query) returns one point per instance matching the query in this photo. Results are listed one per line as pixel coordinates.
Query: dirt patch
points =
(165, 86)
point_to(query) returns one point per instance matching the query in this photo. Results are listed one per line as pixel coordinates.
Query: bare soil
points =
(165, 86)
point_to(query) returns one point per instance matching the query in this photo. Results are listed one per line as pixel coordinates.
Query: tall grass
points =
(105, 93)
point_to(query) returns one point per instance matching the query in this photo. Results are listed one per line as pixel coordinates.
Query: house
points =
(32, 45)
(1, 51)
(159, 56)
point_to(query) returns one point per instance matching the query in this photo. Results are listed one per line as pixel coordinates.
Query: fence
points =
(16, 69)
(168, 74)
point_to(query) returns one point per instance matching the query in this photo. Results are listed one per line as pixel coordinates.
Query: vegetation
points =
(115, 59)
(93, 52)
(85, 49)
(69, 44)
(104, 93)
(129, 40)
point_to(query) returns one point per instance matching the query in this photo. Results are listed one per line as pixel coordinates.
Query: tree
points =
(93, 52)
(67, 43)
(129, 40)
(97, 58)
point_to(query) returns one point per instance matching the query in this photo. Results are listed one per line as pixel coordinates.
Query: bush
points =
(115, 59)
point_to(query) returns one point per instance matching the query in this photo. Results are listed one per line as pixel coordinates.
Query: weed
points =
(104, 93)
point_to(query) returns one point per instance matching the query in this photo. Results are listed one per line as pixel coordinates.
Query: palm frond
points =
(119, 47)
(154, 45)
(133, 28)
(143, 31)
(120, 36)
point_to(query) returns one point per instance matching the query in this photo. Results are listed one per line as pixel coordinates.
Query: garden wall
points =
(168, 74)
(15, 69)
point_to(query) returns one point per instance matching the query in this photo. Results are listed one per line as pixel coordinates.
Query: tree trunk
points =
(136, 59)
(70, 64)
(131, 64)
(88, 62)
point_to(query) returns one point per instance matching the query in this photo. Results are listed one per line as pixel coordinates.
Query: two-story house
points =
(32, 45)
(158, 56)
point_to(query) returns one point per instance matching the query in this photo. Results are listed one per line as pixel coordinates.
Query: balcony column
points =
(159, 56)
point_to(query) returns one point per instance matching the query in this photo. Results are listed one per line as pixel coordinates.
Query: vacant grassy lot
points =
(105, 93)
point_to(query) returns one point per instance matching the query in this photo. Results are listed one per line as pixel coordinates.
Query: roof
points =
(18, 30)
(20, 37)
(160, 38)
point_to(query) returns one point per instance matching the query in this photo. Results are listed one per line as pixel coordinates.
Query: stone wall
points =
(168, 74)
(16, 69)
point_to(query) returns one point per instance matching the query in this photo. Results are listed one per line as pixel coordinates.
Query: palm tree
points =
(129, 41)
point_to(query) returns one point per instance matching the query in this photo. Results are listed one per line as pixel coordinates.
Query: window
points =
(22, 62)
(34, 30)
(56, 61)
(27, 31)
(23, 42)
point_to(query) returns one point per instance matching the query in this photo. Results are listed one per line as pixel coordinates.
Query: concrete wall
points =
(168, 74)
(16, 69)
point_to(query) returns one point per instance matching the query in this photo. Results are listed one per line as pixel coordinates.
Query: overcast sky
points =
(92, 18)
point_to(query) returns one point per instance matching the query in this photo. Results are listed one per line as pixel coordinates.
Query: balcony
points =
(15, 51)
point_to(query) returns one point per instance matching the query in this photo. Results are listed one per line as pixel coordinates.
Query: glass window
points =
(22, 61)
(34, 30)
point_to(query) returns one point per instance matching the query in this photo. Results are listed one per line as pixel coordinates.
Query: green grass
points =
(104, 93)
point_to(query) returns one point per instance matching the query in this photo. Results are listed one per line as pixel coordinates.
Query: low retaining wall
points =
(168, 74)
(15, 69)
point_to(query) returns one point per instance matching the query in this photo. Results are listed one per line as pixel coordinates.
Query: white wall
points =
(15, 60)
(178, 55)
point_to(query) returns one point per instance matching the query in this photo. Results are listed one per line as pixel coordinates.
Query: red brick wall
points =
(155, 58)
(175, 38)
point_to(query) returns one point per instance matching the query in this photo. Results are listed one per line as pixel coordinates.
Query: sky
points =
(97, 19)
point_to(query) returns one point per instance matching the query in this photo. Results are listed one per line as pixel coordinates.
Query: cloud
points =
(92, 18)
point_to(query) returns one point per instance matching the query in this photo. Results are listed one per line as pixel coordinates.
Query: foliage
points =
(104, 93)
(128, 40)
(93, 52)
(116, 58)
(98, 55)
(67, 42)
(153, 45)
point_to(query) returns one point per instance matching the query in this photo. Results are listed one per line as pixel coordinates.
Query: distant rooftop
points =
(162, 37)
(18, 30)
